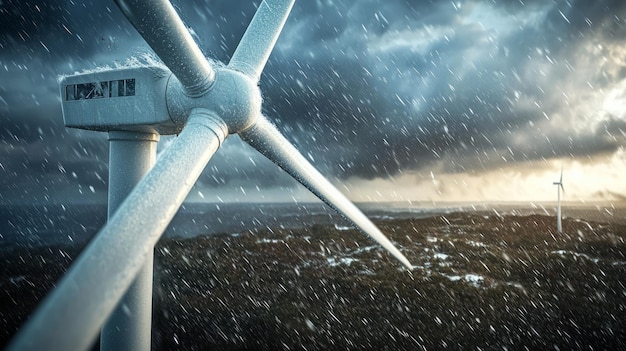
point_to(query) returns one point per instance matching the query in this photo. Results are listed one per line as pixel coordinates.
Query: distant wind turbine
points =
(203, 103)
(559, 187)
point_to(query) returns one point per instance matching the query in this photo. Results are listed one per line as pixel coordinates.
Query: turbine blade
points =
(71, 316)
(264, 137)
(161, 27)
(260, 37)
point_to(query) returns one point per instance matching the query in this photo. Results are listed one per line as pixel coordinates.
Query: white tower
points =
(559, 187)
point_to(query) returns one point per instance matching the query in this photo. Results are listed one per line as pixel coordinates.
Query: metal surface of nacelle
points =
(128, 99)
(151, 99)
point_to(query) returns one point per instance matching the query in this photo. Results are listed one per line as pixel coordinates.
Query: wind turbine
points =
(201, 102)
(559, 187)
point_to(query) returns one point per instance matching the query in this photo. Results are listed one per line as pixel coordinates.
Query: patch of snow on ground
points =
(576, 254)
(474, 279)
(269, 241)
(476, 243)
(365, 249)
(454, 278)
(333, 262)
(441, 256)
(339, 227)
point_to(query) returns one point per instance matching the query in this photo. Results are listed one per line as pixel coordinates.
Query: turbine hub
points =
(234, 97)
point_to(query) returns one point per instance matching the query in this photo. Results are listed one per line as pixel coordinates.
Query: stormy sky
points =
(392, 100)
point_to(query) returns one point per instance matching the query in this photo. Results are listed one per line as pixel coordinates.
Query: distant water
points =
(195, 219)
(43, 225)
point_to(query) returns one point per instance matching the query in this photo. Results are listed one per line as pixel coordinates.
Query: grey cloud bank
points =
(373, 92)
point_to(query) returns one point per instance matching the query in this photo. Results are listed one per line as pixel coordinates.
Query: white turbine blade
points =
(161, 27)
(72, 315)
(259, 39)
(265, 138)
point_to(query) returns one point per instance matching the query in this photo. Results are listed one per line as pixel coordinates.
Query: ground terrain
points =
(480, 281)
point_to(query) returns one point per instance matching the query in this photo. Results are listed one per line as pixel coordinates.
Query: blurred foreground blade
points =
(264, 137)
(161, 27)
(259, 39)
(71, 316)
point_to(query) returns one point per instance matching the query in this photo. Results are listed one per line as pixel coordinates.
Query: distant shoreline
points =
(42, 225)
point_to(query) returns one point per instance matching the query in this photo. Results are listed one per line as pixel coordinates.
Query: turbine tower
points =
(559, 187)
(201, 102)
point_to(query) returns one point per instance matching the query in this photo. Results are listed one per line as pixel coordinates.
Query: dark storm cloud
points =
(368, 104)
(60, 30)
(39, 157)
(365, 89)
(362, 103)
(40, 40)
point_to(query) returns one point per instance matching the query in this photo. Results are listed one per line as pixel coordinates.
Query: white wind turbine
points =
(201, 102)
(559, 187)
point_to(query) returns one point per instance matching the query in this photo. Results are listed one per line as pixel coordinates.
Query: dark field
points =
(481, 281)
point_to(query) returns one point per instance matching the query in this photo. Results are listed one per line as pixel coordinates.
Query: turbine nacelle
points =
(127, 99)
(151, 99)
